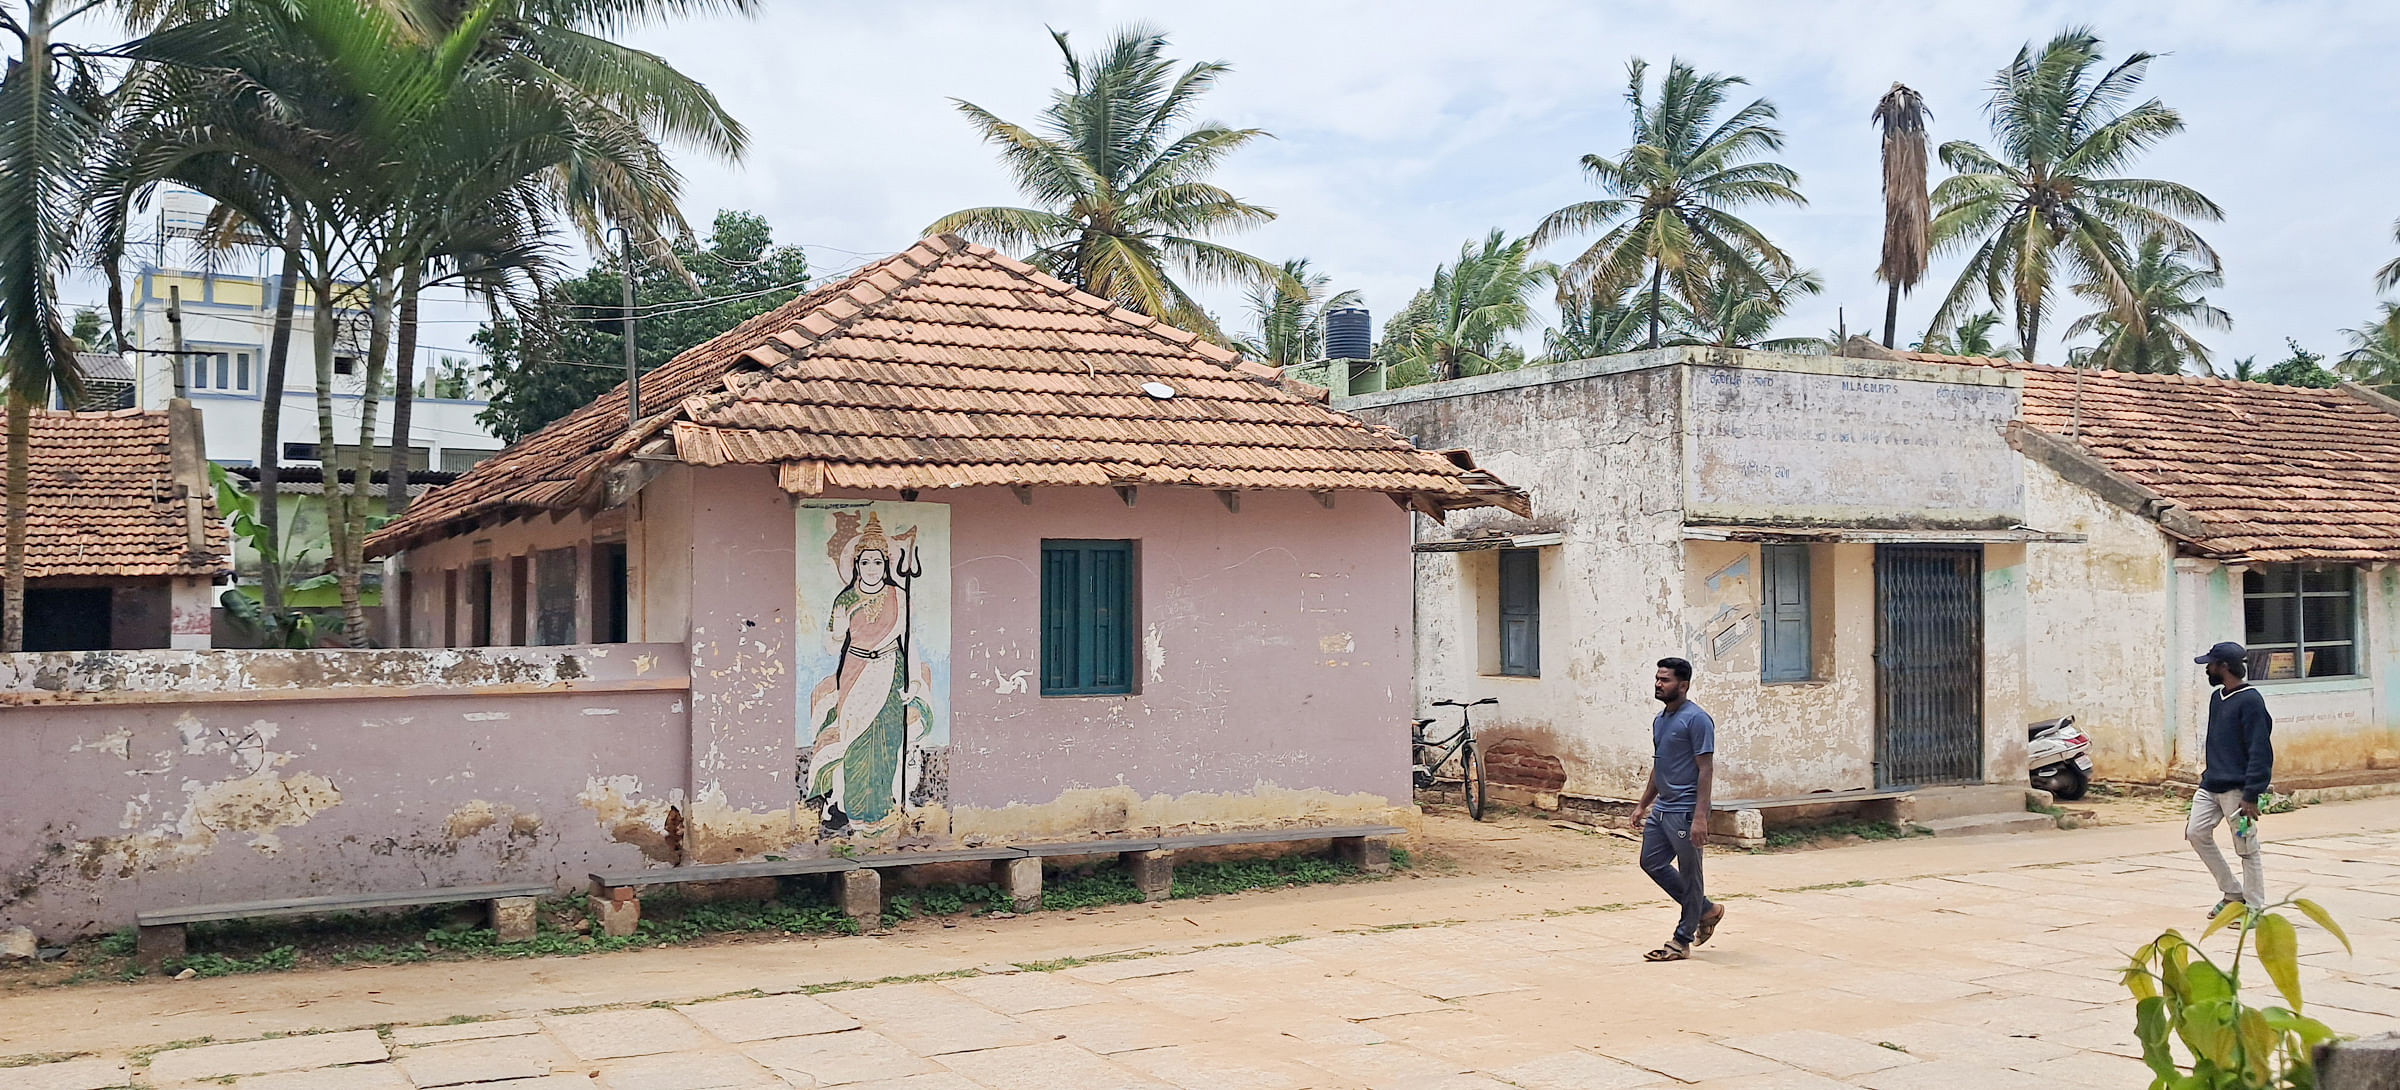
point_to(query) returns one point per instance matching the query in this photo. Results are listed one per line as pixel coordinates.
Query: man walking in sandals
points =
(2240, 766)
(1673, 814)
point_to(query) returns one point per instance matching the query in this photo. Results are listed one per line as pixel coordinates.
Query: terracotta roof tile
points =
(104, 500)
(2274, 473)
(949, 365)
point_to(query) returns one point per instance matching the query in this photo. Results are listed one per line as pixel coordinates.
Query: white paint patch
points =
(118, 741)
(1010, 683)
(643, 664)
(1339, 643)
(599, 711)
(484, 717)
(1154, 653)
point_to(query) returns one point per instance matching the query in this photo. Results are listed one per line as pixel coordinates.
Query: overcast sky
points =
(1405, 128)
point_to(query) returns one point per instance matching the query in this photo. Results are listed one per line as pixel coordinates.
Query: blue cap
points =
(2228, 652)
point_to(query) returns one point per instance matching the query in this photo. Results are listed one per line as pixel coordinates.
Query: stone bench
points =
(159, 936)
(1745, 820)
(616, 905)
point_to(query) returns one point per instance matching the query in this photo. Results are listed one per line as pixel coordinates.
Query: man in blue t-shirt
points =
(1673, 814)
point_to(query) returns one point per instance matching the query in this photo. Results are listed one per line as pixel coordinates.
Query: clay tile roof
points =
(105, 501)
(2271, 473)
(950, 365)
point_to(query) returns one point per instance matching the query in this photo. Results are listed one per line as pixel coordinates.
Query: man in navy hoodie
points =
(2241, 764)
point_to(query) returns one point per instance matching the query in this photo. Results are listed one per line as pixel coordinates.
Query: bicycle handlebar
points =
(1456, 704)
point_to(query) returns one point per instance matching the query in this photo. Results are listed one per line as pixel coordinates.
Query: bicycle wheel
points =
(1470, 762)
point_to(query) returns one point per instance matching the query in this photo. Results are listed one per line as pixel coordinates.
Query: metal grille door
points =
(1929, 665)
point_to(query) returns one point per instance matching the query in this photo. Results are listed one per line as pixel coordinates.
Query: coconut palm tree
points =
(1673, 192)
(1601, 325)
(2374, 356)
(1971, 337)
(1120, 188)
(50, 115)
(1291, 316)
(1475, 303)
(2152, 332)
(2047, 194)
(2388, 277)
(1736, 312)
(1907, 210)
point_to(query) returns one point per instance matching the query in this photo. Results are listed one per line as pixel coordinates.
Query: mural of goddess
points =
(872, 712)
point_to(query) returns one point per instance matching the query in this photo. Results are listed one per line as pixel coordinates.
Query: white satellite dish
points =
(1159, 390)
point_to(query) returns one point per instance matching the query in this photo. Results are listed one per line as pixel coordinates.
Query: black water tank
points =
(1349, 334)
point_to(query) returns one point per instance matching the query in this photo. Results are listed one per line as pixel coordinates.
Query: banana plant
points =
(2183, 996)
(277, 626)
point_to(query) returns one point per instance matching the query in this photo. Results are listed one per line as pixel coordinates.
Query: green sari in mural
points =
(862, 712)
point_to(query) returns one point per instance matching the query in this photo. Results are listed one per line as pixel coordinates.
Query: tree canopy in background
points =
(572, 349)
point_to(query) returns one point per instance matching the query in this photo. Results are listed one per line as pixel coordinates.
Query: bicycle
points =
(1435, 757)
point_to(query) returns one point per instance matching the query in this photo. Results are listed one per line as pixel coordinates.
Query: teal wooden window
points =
(1520, 613)
(2300, 621)
(1783, 613)
(1087, 617)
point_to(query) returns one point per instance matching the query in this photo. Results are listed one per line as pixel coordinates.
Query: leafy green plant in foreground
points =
(2183, 995)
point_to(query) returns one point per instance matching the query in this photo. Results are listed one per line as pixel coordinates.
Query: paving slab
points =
(258, 1057)
(464, 1031)
(1954, 1075)
(1049, 1065)
(838, 1059)
(609, 1035)
(1574, 1070)
(932, 1019)
(1828, 1054)
(461, 1062)
(67, 1075)
(1945, 1041)
(1018, 993)
(686, 1071)
(381, 1076)
(766, 1017)
(1699, 1061)
(1207, 1067)
(1110, 1028)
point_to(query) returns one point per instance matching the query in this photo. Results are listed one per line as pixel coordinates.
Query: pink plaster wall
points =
(1274, 644)
(199, 798)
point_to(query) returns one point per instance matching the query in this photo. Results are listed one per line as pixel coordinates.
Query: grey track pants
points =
(2207, 811)
(1673, 861)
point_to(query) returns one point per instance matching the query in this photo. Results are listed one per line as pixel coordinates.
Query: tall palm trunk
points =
(20, 494)
(1658, 273)
(337, 494)
(270, 425)
(404, 391)
(350, 569)
(1891, 314)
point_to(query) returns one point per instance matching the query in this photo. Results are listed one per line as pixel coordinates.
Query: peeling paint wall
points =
(180, 778)
(1617, 465)
(2098, 643)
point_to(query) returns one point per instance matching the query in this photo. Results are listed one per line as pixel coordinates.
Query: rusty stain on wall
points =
(653, 825)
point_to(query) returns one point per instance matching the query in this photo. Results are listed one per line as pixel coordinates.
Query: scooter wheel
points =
(2070, 785)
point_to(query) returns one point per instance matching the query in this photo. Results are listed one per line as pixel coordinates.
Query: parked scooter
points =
(2059, 757)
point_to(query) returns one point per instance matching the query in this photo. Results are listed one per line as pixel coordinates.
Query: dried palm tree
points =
(1907, 210)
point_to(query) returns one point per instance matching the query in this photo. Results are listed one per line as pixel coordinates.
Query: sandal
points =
(1708, 925)
(1672, 951)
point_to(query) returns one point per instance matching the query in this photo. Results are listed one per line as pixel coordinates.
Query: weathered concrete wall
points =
(2098, 642)
(174, 778)
(1620, 454)
(1848, 442)
(1601, 457)
(1784, 738)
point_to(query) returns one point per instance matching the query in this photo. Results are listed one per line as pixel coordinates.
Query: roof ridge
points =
(1156, 327)
(2217, 381)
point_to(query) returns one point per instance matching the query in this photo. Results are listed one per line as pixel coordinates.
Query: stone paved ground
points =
(1952, 965)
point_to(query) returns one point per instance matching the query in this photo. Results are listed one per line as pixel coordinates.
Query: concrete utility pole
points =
(175, 326)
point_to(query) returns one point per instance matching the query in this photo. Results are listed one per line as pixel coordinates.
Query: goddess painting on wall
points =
(873, 710)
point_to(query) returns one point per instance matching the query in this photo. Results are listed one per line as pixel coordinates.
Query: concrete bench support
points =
(616, 910)
(156, 945)
(1153, 872)
(513, 918)
(1372, 854)
(1021, 880)
(860, 894)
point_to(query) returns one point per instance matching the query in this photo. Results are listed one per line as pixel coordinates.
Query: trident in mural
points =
(907, 565)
